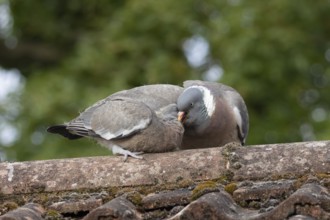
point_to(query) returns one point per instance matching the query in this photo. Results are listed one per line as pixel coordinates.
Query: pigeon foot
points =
(118, 150)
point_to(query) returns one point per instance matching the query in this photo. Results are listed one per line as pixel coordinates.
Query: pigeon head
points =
(196, 106)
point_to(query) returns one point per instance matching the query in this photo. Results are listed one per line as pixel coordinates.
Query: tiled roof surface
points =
(279, 181)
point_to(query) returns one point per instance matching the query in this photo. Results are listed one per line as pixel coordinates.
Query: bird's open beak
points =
(181, 116)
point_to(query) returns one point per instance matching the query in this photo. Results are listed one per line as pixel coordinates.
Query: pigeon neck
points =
(208, 99)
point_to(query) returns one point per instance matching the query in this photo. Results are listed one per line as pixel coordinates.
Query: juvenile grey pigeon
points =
(213, 115)
(131, 122)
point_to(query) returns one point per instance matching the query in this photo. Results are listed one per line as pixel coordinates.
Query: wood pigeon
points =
(131, 122)
(213, 115)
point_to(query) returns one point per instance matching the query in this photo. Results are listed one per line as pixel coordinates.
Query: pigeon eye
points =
(191, 104)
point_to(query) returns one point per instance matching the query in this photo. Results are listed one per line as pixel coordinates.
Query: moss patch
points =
(300, 181)
(204, 188)
(135, 198)
(230, 188)
(322, 176)
(226, 178)
(8, 206)
(52, 214)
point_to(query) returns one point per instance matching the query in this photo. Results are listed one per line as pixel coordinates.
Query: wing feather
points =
(120, 118)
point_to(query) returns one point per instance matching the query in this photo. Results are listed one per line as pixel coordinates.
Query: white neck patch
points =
(208, 99)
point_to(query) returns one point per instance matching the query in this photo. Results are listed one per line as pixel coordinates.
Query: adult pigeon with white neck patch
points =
(213, 115)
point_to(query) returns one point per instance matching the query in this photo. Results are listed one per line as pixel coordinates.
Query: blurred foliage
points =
(73, 53)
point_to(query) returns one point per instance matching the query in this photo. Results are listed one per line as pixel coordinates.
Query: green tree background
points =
(73, 53)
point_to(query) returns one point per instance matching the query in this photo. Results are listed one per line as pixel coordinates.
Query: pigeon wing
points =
(120, 118)
(154, 96)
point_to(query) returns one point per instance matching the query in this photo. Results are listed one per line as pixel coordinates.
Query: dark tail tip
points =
(61, 129)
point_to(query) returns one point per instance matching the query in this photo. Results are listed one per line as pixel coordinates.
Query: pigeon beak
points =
(181, 116)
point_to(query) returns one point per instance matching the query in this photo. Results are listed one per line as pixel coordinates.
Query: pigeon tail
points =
(62, 130)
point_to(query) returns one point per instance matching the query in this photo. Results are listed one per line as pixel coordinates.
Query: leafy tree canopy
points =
(73, 53)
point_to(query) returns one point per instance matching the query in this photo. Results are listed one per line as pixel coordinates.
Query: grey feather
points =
(120, 118)
(236, 100)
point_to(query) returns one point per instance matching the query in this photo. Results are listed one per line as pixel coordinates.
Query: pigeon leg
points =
(118, 150)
